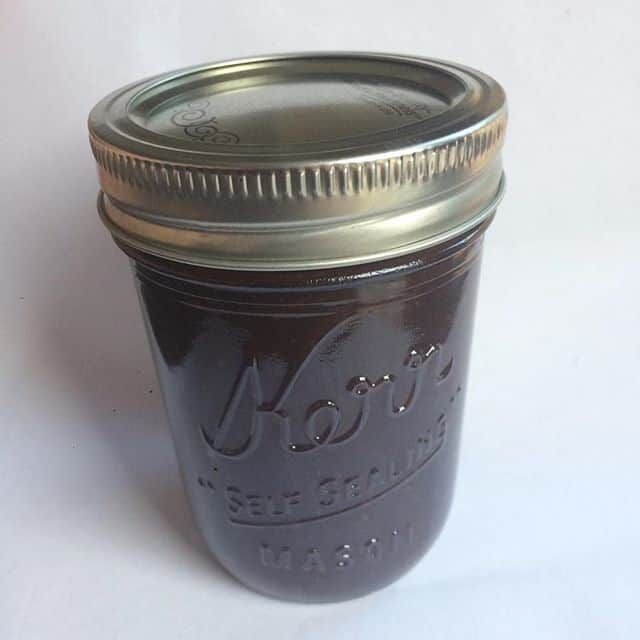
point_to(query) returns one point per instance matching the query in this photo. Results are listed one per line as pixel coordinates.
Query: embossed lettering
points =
(343, 556)
(280, 561)
(339, 493)
(255, 505)
(290, 500)
(234, 499)
(328, 490)
(313, 561)
(323, 420)
(373, 548)
(335, 492)
(317, 433)
(339, 557)
(352, 487)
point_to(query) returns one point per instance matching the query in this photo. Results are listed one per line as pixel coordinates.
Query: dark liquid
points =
(316, 415)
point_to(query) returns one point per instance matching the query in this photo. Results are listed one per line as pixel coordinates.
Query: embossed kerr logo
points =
(196, 123)
(323, 424)
(252, 422)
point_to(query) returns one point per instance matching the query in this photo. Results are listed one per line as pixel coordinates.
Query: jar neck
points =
(429, 264)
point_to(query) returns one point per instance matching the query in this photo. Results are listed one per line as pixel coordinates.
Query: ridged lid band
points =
(188, 174)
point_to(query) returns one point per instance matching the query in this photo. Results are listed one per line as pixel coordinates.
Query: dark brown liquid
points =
(316, 415)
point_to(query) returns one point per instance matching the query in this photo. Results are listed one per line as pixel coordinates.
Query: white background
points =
(96, 540)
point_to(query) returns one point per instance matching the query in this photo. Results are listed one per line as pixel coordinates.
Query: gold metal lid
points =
(299, 161)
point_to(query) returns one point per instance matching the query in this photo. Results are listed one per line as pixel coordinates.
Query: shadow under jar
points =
(305, 233)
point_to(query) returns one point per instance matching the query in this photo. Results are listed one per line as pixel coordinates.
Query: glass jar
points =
(305, 233)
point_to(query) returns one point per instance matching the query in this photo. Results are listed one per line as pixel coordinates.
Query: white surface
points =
(543, 542)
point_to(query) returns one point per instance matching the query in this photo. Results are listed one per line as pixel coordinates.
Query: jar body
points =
(316, 415)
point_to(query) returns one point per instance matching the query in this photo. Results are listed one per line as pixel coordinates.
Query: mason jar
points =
(305, 233)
